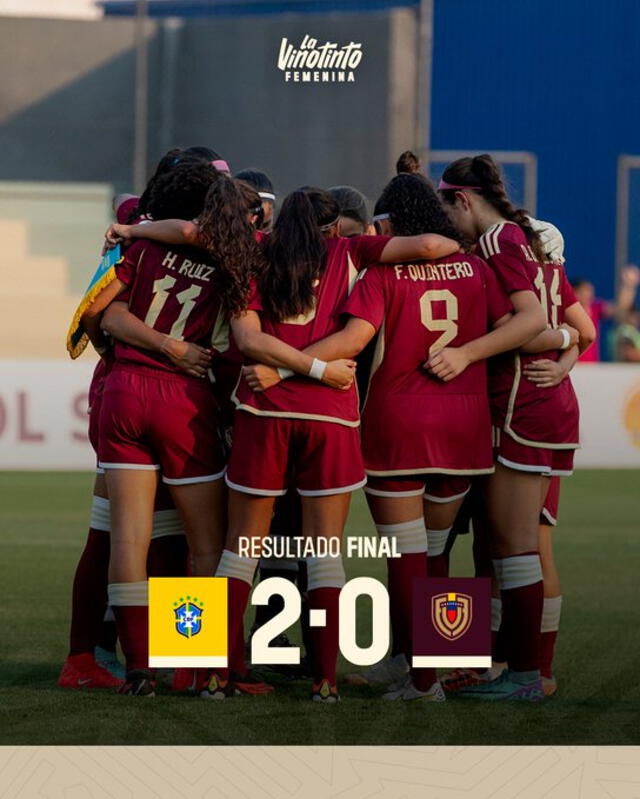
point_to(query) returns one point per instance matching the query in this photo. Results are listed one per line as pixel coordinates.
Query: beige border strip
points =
(535, 772)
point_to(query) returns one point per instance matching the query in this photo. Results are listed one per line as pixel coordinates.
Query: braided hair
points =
(482, 175)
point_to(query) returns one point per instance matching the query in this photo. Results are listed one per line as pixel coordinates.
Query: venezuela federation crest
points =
(451, 614)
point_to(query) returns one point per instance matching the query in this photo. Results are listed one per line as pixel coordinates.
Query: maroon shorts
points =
(272, 454)
(418, 435)
(156, 420)
(525, 458)
(549, 513)
(434, 487)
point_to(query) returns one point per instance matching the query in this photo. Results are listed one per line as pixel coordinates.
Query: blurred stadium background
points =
(94, 92)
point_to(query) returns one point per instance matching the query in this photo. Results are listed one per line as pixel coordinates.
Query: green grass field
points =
(43, 522)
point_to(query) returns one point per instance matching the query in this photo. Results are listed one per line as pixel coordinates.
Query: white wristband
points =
(285, 373)
(317, 369)
(566, 338)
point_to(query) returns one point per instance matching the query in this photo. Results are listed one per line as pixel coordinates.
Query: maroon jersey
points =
(413, 422)
(302, 397)
(173, 290)
(543, 417)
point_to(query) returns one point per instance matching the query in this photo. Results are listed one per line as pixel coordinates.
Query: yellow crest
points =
(451, 614)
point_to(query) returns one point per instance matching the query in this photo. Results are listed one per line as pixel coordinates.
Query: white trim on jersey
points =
(376, 492)
(259, 492)
(180, 481)
(445, 500)
(525, 467)
(327, 492)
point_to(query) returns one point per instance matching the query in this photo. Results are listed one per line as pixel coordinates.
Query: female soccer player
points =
(535, 429)
(417, 428)
(299, 429)
(155, 417)
(92, 641)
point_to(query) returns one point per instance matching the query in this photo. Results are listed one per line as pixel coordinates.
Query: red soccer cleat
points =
(250, 684)
(82, 671)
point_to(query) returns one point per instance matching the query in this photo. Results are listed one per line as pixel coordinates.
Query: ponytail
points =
(229, 239)
(296, 252)
(482, 175)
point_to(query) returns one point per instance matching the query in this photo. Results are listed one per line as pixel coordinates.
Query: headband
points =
(267, 195)
(443, 185)
(330, 224)
(380, 217)
(221, 166)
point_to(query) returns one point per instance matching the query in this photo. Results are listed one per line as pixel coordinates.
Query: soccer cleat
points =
(549, 686)
(407, 691)
(462, 678)
(387, 671)
(325, 692)
(217, 688)
(250, 684)
(507, 687)
(109, 661)
(82, 671)
(139, 682)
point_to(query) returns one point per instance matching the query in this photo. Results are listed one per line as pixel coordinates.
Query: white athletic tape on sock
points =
(166, 522)
(233, 565)
(109, 614)
(100, 515)
(128, 594)
(496, 614)
(517, 571)
(551, 610)
(411, 537)
(327, 572)
(437, 541)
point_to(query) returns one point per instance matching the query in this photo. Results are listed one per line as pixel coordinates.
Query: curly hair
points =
(180, 193)
(229, 239)
(482, 175)
(171, 159)
(414, 207)
(296, 252)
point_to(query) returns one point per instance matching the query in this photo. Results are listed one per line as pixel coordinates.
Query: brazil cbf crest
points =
(188, 616)
(451, 614)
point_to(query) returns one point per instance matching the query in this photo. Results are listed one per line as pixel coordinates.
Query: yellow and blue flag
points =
(77, 339)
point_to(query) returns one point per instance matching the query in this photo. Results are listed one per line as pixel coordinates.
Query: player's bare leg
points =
(203, 508)
(513, 506)
(325, 517)
(132, 493)
(249, 518)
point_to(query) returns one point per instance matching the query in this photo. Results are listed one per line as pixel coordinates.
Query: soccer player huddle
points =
(225, 406)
